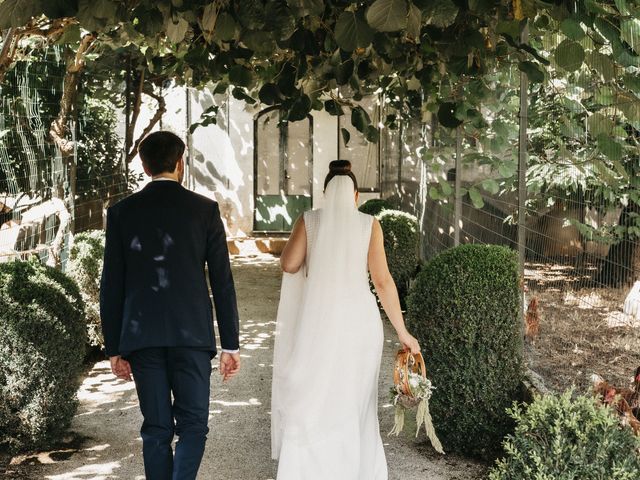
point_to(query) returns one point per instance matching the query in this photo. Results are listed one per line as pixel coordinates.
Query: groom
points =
(156, 311)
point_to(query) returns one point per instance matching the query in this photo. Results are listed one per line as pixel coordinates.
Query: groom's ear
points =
(146, 169)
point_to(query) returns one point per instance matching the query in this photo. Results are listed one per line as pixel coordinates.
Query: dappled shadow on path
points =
(239, 440)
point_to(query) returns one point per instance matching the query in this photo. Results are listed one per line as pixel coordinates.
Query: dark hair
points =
(160, 152)
(340, 167)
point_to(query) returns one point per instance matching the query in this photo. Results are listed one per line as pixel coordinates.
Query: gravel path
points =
(105, 444)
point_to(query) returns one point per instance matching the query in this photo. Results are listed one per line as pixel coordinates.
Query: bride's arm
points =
(295, 250)
(386, 288)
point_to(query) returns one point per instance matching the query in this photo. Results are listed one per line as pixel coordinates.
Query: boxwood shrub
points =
(42, 342)
(375, 206)
(463, 308)
(85, 267)
(563, 438)
(401, 241)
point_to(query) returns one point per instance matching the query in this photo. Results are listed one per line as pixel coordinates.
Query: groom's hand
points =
(120, 368)
(229, 365)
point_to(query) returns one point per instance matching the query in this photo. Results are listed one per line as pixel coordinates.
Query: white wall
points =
(220, 160)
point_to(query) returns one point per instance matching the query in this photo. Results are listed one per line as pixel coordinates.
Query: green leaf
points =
(507, 169)
(598, 124)
(434, 193)
(360, 119)
(250, 13)
(603, 64)
(630, 33)
(630, 106)
(447, 115)
(58, 8)
(632, 82)
(240, 76)
(259, 41)
(300, 109)
(71, 35)
(333, 108)
(105, 9)
(572, 29)
(388, 15)
(605, 95)
(569, 55)
(610, 148)
(414, 23)
(447, 189)
(534, 74)
(86, 16)
(352, 31)
(226, 27)
(490, 186)
(307, 7)
(16, 13)
(372, 134)
(441, 13)
(176, 31)
(209, 17)
(476, 197)
(346, 136)
(269, 94)
(240, 94)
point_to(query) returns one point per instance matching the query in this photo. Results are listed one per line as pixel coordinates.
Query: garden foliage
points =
(375, 206)
(565, 438)
(85, 267)
(401, 239)
(42, 344)
(463, 308)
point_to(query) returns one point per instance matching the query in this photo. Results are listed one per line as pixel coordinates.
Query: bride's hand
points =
(409, 342)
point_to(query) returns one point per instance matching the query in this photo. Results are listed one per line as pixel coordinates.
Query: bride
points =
(329, 339)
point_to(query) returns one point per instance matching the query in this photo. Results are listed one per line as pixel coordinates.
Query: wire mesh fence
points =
(580, 201)
(42, 197)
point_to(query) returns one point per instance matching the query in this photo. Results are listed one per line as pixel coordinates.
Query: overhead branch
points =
(48, 30)
(135, 112)
(7, 54)
(160, 111)
(59, 127)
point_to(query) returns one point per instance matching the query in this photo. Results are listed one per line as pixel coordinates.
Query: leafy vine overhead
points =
(312, 54)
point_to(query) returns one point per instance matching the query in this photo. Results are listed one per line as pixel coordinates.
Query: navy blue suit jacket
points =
(153, 291)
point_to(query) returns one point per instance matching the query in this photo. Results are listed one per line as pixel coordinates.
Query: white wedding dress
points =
(327, 352)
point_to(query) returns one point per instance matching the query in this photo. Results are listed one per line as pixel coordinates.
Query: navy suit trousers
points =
(173, 389)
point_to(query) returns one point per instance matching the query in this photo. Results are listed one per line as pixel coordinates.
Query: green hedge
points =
(463, 308)
(401, 240)
(560, 438)
(85, 267)
(375, 206)
(42, 343)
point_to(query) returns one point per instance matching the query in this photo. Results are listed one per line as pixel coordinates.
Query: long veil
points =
(312, 367)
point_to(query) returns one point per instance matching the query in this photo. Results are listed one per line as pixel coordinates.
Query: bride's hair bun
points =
(340, 167)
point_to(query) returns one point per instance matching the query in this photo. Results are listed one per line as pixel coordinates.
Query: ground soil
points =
(582, 330)
(104, 442)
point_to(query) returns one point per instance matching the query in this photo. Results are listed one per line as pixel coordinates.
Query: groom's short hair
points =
(160, 152)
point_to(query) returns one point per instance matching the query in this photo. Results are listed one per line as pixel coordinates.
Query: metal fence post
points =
(522, 175)
(457, 217)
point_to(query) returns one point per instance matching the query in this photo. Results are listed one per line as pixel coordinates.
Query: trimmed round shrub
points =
(401, 240)
(375, 206)
(463, 308)
(42, 342)
(85, 267)
(561, 438)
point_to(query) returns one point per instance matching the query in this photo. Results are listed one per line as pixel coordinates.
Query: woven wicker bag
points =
(407, 363)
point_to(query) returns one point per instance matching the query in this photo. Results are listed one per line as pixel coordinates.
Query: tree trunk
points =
(132, 151)
(621, 264)
(60, 134)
